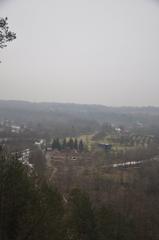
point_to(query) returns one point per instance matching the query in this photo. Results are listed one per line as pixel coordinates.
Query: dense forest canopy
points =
(31, 208)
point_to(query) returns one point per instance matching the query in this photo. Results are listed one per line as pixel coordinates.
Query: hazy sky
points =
(84, 51)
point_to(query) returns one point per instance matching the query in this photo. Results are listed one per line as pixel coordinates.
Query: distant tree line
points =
(72, 144)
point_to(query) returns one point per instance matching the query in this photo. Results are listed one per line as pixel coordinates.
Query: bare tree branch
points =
(5, 34)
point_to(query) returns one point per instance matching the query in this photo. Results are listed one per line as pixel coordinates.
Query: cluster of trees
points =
(29, 208)
(68, 144)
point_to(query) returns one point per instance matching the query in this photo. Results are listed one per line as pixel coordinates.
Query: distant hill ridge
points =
(23, 111)
(47, 105)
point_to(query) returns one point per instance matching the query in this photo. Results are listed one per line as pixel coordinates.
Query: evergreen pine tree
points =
(64, 144)
(58, 144)
(71, 143)
(76, 144)
(54, 144)
(81, 146)
(81, 220)
(29, 209)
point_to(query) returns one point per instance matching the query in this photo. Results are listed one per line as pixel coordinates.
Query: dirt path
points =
(52, 169)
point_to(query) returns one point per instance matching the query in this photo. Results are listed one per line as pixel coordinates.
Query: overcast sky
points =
(82, 51)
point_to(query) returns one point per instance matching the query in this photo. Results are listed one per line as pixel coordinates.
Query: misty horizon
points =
(78, 103)
(103, 52)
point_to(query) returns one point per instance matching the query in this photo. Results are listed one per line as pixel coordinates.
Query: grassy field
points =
(119, 143)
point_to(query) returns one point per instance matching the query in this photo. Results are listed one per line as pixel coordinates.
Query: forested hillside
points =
(65, 113)
(31, 208)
